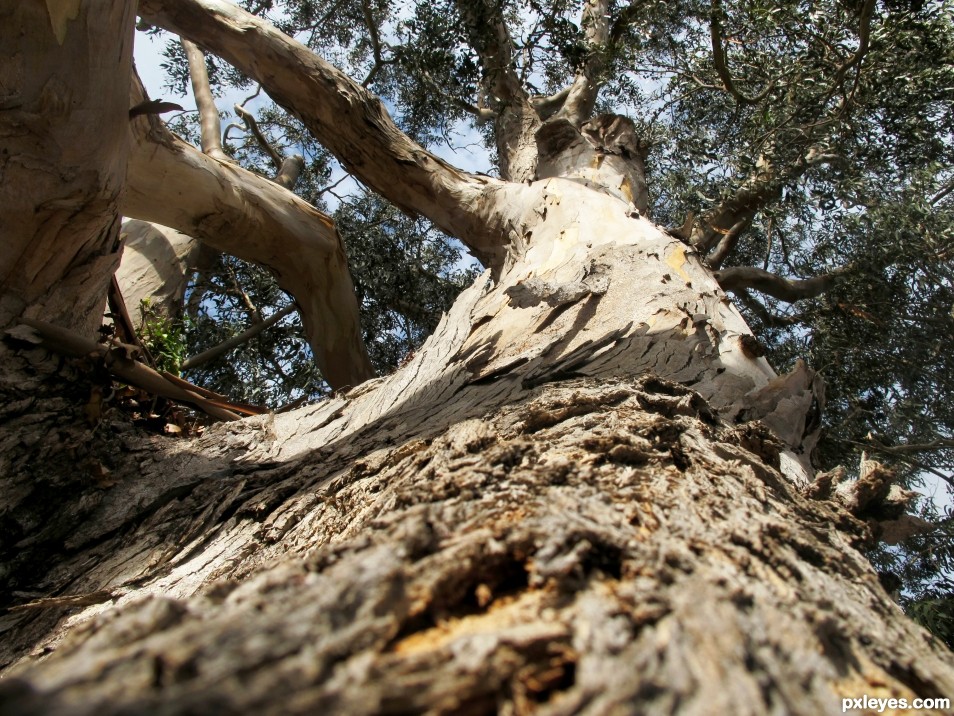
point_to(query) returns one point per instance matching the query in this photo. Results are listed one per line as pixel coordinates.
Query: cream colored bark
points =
(63, 110)
(350, 121)
(586, 494)
(155, 267)
(566, 503)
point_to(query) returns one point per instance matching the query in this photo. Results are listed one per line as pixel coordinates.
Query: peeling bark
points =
(586, 493)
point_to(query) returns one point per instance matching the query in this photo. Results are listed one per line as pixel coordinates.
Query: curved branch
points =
(728, 242)
(788, 290)
(245, 215)
(721, 62)
(252, 126)
(210, 127)
(351, 122)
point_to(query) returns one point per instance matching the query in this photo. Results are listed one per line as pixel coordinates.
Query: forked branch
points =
(245, 215)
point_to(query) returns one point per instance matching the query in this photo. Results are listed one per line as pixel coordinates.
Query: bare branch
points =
(375, 42)
(727, 242)
(761, 188)
(864, 34)
(252, 126)
(351, 122)
(118, 361)
(237, 340)
(245, 215)
(515, 120)
(788, 290)
(290, 171)
(210, 127)
(765, 316)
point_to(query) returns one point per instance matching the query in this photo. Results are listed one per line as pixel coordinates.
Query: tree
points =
(588, 491)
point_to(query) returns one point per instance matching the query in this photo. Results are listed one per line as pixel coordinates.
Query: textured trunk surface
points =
(62, 116)
(570, 501)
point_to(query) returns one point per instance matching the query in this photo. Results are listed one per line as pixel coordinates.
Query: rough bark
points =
(581, 496)
(244, 215)
(586, 493)
(61, 111)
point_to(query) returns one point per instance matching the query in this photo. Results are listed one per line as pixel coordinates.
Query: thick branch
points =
(727, 243)
(516, 121)
(210, 127)
(788, 290)
(760, 189)
(242, 214)
(351, 122)
(586, 85)
(546, 107)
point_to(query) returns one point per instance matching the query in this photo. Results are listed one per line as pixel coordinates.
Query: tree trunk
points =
(568, 502)
(64, 113)
(586, 493)
(156, 266)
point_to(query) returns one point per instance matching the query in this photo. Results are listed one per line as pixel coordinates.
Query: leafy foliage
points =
(164, 338)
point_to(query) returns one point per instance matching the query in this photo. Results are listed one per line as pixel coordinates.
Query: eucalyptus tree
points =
(588, 491)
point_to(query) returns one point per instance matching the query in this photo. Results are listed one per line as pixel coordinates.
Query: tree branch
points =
(252, 126)
(237, 340)
(351, 122)
(586, 85)
(762, 187)
(515, 120)
(546, 107)
(721, 63)
(245, 215)
(727, 243)
(788, 290)
(375, 43)
(210, 127)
